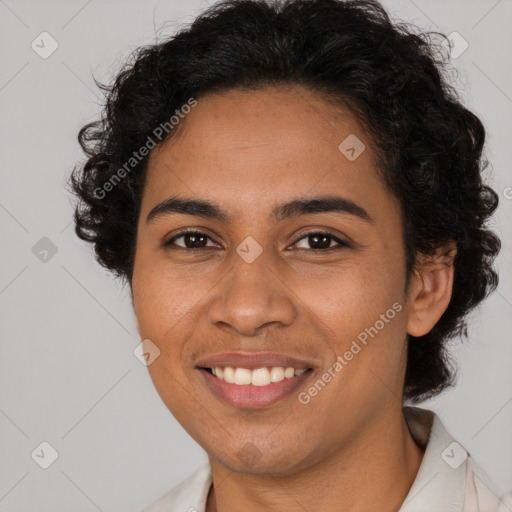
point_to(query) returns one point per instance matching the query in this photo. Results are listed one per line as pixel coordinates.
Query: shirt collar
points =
(440, 483)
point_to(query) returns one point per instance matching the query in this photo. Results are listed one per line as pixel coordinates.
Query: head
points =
(332, 181)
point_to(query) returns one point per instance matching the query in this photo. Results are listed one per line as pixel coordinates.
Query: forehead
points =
(246, 145)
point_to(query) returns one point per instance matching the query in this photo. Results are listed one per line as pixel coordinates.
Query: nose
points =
(250, 297)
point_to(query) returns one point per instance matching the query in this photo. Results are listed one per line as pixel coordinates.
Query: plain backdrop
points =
(68, 375)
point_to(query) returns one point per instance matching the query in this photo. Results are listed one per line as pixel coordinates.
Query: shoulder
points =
(448, 477)
(188, 496)
(481, 495)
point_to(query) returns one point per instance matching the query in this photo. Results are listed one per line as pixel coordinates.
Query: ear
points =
(430, 289)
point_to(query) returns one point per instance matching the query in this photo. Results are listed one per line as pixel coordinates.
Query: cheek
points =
(351, 299)
(162, 300)
(363, 314)
(161, 312)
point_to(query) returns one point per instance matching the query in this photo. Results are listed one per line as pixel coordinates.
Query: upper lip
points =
(252, 360)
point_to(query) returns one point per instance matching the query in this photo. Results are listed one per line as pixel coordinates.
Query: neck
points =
(377, 470)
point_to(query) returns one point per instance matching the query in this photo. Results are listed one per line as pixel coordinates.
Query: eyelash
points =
(341, 243)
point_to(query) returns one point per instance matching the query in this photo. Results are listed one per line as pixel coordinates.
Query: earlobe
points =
(431, 289)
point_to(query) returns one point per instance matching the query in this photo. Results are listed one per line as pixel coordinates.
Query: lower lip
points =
(253, 397)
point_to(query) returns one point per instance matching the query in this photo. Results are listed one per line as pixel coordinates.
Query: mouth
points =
(250, 382)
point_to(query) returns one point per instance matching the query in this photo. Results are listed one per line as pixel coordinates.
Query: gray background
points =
(68, 375)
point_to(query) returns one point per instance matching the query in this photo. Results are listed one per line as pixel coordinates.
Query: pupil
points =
(324, 244)
(191, 240)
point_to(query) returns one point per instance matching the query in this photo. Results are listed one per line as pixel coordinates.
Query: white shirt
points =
(448, 479)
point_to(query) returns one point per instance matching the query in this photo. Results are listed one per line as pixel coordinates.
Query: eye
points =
(319, 240)
(191, 240)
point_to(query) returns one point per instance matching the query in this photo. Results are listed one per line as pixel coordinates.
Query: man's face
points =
(316, 298)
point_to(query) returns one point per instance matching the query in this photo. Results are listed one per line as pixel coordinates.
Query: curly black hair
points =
(390, 75)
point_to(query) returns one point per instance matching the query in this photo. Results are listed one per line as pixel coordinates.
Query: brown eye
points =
(320, 241)
(191, 240)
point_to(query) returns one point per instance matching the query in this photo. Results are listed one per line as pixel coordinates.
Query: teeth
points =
(277, 374)
(257, 377)
(289, 373)
(229, 374)
(242, 376)
(260, 377)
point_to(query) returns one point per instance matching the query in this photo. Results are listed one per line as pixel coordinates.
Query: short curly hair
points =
(390, 75)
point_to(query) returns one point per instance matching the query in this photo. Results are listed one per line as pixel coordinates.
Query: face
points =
(316, 285)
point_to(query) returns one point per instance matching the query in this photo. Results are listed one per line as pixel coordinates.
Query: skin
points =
(349, 448)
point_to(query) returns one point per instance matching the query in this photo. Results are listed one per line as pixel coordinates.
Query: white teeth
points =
(277, 374)
(260, 377)
(229, 374)
(256, 377)
(242, 376)
(289, 373)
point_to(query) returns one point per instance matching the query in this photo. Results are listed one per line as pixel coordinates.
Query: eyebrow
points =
(296, 207)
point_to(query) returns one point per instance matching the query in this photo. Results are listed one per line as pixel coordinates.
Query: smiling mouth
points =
(257, 377)
(254, 389)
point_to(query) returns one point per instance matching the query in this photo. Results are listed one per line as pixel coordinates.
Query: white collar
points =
(441, 480)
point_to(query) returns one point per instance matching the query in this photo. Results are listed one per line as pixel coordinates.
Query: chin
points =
(251, 459)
